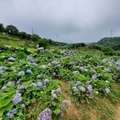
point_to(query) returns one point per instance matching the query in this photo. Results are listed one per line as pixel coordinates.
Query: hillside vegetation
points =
(113, 42)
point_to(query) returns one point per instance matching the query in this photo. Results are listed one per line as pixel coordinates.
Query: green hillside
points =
(113, 42)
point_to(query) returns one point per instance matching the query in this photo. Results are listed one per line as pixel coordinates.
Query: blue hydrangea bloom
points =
(46, 81)
(39, 84)
(118, 63)
(17, 98)
(9, 115)
(29, 71)
(78, 82)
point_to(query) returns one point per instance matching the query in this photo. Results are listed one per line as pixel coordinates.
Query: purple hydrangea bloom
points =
(39, 84)
(78, 82)
(17, 98)
(107, 90)
(117, 63)
(46, 81)
(29, 71)
(53, 94)
(117, 69)
(91, 96)
(82, 88)
(94, 76)
(23, 106)
(9, 115)
(82, 68)
(45, 115)
(89, 88)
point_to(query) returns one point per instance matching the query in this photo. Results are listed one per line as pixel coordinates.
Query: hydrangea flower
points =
(78, 82)
(39, 84)
(82, 68)
(91, 96)
(107, 90)
(3, 68)
(82, 88)
(11, 59)
(94, 76)
(29, 71)
(34, 64)
(46, 81)
(38, 76)
(21, 73)
(45, 115)
(117, 69)
(13, 110)
(53, 94)
(4, 87)
(29, 58)
(23, 106)
(74, 88)
(58, 90)
(10, 83)
(88, 82)
(9, 115)
(89, 88)
(117, 63)
(17, 98)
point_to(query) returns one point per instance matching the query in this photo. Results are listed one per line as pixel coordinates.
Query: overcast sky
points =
(68, 21)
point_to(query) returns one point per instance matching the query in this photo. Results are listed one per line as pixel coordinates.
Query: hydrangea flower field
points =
(30, 83)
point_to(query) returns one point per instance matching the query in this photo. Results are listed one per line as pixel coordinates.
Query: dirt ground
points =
(73, 112)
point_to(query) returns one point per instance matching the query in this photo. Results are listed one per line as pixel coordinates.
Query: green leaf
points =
(9, 106)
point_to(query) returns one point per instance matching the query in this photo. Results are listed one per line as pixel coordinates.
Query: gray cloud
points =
(72, 20)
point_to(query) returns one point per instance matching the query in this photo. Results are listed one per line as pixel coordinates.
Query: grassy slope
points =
(16, 42)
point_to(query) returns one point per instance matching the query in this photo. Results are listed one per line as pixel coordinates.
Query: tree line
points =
(43, 42)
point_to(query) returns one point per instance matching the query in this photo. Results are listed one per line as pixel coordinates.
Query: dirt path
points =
(72, 112)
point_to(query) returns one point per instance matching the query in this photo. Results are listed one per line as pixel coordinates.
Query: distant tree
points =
(22, 35)
(35, 37)
(2, 29)
(43, 43)
(29, 36)
(11, 30)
